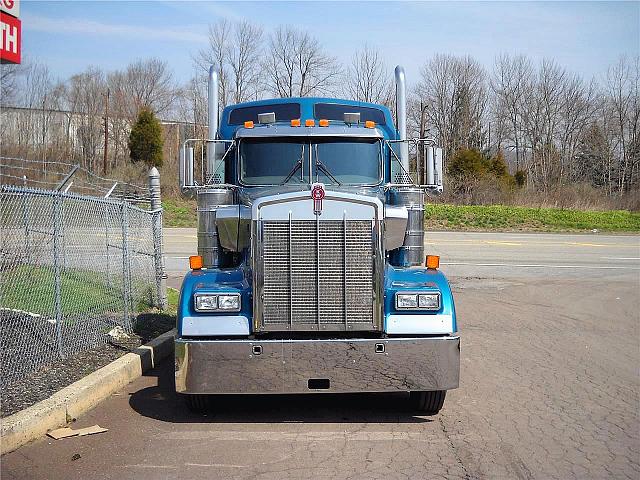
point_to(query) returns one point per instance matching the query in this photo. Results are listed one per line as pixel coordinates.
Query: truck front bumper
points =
(305, 366)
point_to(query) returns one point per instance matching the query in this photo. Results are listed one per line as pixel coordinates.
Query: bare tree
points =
(622, 92)
(120, 120)
(368, 79)
(148, 83)
(540, 111)
(578, 106)
(453, 96)
(296, 65)
(8, 82)
(280, 64)
(511, 75)
(244, 61)
(84, 95)
(33, 94)
(217, 54)
(235, 49)
(192, 108)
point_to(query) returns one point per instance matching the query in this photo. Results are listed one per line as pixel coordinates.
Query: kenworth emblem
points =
(317, 193)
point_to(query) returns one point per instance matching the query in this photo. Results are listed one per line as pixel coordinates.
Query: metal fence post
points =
(106, 241)
(57, 230)
(25, 221)
(156, 219)
(126, 277)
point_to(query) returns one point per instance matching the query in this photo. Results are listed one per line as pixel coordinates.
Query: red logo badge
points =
(317, 194)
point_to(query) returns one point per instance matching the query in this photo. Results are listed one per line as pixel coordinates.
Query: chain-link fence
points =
(72, 268)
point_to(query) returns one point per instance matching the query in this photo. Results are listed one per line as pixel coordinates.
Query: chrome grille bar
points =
(344, 272)
(318, 269)
(290, 275)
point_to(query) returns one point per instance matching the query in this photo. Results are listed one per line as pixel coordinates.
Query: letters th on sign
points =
(10, 33)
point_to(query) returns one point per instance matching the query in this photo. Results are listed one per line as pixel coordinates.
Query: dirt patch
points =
(51, 378)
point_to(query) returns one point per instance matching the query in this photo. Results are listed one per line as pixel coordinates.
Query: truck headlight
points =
(418, 301)
(430, 301)
(206, 303)
(229, 302)
(406, 300)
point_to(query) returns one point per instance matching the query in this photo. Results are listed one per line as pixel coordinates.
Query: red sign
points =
(10, 33)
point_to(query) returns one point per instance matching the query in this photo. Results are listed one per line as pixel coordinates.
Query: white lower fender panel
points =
(317, 366)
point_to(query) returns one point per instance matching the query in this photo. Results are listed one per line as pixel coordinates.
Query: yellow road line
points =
(525, 244)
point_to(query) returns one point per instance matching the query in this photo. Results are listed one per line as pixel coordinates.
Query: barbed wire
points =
(52, 174)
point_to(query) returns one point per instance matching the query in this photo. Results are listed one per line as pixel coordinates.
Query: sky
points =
(585, 37)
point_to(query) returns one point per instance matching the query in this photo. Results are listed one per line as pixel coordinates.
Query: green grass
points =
(505, 218)
(173, 296)
(179, 212)
(31, 289)
(182, 213)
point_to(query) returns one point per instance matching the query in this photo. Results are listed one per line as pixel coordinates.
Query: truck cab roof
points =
(286, 130)
(306, 108)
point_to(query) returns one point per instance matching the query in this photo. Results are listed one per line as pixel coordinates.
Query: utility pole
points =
(106, 133)
(44, 133)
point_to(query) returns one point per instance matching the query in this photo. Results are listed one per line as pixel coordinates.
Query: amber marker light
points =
(433, 262)
(324, 122)
(310, 122)
(195, 262)
(248, 124)
(370, 124)
(295, 122)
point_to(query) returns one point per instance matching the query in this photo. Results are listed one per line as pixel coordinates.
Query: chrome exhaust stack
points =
(401, 116)
(411, 197)
(213, 160)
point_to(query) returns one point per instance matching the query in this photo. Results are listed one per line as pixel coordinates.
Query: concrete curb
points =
(81, 396)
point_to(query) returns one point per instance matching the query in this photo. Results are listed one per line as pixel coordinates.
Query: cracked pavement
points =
(550, 388)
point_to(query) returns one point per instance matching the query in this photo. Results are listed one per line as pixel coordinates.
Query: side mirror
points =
(433, 169)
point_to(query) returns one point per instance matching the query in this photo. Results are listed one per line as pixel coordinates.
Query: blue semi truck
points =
(311, 275)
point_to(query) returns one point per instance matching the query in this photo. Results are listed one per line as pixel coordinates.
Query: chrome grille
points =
(317, 272)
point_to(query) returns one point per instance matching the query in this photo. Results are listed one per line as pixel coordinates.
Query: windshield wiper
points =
(295, 168)
(325, 170)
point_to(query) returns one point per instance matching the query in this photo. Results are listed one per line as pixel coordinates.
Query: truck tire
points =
(429, 403)
(197, 403)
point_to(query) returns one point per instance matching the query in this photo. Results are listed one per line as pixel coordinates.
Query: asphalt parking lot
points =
(550, 387)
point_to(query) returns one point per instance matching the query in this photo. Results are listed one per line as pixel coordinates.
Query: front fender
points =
(418, 279)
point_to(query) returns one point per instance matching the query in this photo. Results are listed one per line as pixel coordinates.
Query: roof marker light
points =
(295, 122)
(309, 122)
(248, 124)
(370, 124)
(324, 122)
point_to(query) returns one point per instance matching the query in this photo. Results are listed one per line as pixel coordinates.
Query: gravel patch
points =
(47, 380)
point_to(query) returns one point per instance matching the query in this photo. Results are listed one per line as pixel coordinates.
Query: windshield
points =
(288, 161)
